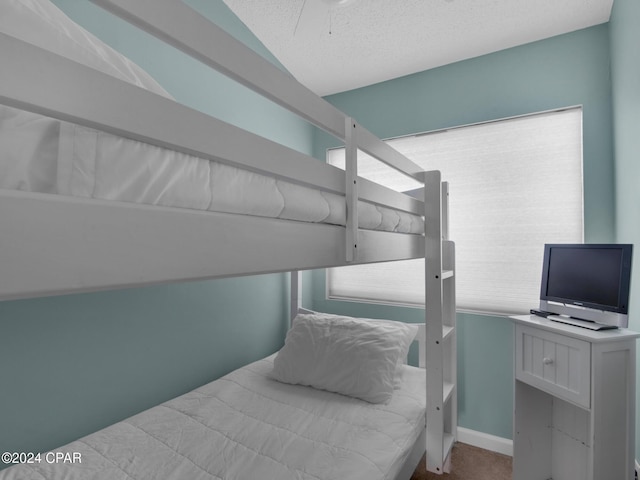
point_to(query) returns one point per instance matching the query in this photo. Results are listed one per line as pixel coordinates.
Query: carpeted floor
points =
(470, 463)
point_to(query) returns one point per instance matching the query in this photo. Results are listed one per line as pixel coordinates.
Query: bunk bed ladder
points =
(440, 326)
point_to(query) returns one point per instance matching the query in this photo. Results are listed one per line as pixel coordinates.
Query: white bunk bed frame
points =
(52, 244)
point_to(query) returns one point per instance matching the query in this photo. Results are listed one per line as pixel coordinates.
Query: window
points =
(514, 185)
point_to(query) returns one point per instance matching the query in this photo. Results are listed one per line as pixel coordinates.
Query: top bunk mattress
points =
(41, 154)
(247, 425)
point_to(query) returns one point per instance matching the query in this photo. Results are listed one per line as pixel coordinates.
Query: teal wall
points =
(567, 70)
(73, 364)
(625, 67)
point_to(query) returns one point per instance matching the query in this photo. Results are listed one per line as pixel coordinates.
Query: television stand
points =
(574, 401)
(578, 322)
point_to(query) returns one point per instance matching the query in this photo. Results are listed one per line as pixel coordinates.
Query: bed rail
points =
(211, 45)
(129, 111)
(214, 47)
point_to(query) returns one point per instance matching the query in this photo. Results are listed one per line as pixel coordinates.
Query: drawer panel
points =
(559, 364)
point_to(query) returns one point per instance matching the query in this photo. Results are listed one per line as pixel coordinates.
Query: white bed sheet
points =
(248, 426)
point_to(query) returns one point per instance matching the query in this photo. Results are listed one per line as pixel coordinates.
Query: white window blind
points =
(514, 185)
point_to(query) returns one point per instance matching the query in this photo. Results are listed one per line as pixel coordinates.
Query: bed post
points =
(351, 188)
(438, 443)
(433, 320)
(440, 321)
(296, 295)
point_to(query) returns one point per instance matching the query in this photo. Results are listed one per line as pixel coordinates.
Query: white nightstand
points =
(574, 405)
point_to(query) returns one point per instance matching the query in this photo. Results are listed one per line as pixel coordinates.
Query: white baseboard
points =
(486, 441)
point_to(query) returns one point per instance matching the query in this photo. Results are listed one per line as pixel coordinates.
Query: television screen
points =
(588, 275)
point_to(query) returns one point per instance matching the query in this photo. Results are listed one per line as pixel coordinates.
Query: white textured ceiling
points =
(336, 45)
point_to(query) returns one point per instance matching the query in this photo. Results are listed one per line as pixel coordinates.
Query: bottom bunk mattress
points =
(244, 426)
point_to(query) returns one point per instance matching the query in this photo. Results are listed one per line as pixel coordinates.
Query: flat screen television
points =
(595, 276)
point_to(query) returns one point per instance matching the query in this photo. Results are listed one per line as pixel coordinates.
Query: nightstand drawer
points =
(559, 364)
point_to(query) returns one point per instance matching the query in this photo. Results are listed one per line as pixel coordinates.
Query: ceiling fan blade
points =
(313, 21)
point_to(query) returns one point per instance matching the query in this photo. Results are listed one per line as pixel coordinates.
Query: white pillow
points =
(351, 356)
(397, 383)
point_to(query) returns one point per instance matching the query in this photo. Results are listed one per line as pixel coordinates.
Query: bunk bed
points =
(166, 220)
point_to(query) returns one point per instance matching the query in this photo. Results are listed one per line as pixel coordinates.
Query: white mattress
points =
(40, 154)
(248, 426)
